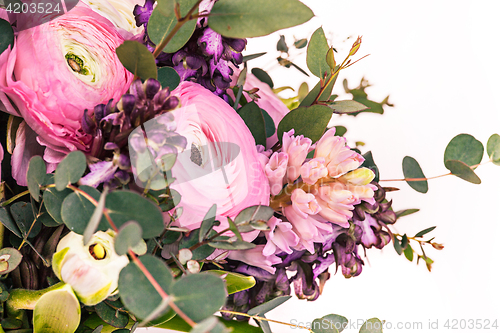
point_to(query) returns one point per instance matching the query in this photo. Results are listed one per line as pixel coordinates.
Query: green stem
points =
(24, 299)
(14, 198)
(177, 27)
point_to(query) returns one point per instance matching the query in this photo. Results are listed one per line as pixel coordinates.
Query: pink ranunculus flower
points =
(313, 170)
(339, 157)
(280, 237)
(337, 203)
(221, 164)
(275, 171)
(255, 257)
(297, 148)
(53, 73)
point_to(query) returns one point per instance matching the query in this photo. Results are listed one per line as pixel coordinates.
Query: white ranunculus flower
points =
(92, 270)
(120, 12)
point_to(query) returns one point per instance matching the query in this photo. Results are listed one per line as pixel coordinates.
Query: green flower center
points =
(76, 64)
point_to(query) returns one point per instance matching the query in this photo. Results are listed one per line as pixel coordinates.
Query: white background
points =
(439, 62)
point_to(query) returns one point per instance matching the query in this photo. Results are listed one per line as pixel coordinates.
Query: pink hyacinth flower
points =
(358, 183)
(297, 149)
(221, 165)
(337, 203)
(275, 171)
(304, 203)
(280, 237)
(255, 257)
(313, 170)
(339, 158)
(310, 229)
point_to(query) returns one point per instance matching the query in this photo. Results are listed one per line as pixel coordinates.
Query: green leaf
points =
(405, 212)
(244, 19)
(136, 292)
(397, 246)
(253, 118)
(205, 325)
(252, 214)
(70, 170)
(253, 56)
(310, 122)
(10, 258)
(53, 200)
(36, 176)
(309, 99)
(270, 126)
(404, 242)
(208, 222)
(316, 54)
(301, 43)
(77, 210)
(8, 222)
(168, 77)
(330, 58)
(177, 324)
(6, 35)
(268, 306)
(235, 282)
(281, 46)
(320, 326)
(348, 106)
(163, 21)
(408, 252)
(129, 235)
(54, 306)
(493, 148)
(341, 130)
(263, 76)
(96, 217)
(411, 169)
(199, 296)
(137, 59)
(462, 170)
(425, 231)
(191, 239)
(23, 215)
(337, 321)
(465, 148)
(110, 316)
(370, 164)
(124, 206)
(373, 325)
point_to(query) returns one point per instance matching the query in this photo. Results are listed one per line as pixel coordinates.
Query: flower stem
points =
(24, 299)
(429, 178)
(265, 319)
(14, 198)
(177, 27)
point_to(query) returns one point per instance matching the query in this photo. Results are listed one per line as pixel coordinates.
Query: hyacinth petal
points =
(227, 171)
(275, 171)
(100, 172)
(254, 257)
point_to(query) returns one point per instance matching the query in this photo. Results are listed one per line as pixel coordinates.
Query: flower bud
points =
(92, 270)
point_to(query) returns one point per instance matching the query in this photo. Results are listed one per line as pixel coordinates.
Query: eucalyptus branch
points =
(159, 48)
(429, 178)
(265, 319)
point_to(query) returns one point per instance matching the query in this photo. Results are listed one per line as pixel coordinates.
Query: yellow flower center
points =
(97, 251)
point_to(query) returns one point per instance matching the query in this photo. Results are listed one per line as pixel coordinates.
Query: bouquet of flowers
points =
(151, 178)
